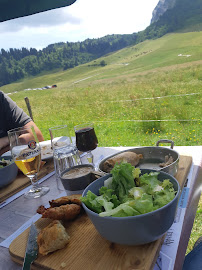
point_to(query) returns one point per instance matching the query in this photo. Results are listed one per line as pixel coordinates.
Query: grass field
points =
(145, 93)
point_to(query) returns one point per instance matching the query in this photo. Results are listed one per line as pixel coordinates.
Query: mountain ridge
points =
(161, 8)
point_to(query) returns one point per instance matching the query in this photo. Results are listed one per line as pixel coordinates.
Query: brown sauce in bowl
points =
(77, 172)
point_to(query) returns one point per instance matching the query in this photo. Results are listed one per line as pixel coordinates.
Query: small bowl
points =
(8, 173)
(135, 230)
(77, 177)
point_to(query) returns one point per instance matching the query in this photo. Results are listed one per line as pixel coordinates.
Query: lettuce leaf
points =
(105, 202)
(165, 195)
(109, 195)
(150, 182)
(90, 200)
(136, 172)
(132, 207)
(122, 180)
(123, 210)
(144, 204)
(136, 192)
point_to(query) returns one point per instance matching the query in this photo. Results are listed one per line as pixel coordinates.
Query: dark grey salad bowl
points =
(80, 182)
(135, 230)
(8, 173)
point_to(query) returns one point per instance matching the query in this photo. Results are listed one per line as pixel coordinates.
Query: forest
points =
(15, 64)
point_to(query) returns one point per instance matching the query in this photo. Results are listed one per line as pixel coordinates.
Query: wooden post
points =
(29, 107)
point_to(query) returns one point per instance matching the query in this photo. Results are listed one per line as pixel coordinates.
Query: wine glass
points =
(26, 153)
(86, 139)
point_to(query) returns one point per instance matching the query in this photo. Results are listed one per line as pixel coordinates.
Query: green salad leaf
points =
(165, 195)
(122, 180)
(123, 210)
(5, 162)
(91, 202)
(127, 193)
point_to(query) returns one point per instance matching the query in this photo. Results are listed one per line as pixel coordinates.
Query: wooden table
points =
(15, 214)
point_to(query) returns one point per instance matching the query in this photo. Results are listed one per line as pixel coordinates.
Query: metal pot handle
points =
(165, 141)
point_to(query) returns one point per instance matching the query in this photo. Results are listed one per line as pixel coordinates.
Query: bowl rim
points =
(75, 167)
(9, 157)
(138, 216)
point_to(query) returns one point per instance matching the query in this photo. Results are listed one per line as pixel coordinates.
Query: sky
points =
(83, 19)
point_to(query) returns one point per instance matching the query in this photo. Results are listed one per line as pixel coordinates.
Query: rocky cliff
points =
(161, 7)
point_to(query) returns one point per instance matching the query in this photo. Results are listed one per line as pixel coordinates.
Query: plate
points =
(46, 151)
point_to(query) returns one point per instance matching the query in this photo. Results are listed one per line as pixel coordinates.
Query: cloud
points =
(84, 19)
(45, 19)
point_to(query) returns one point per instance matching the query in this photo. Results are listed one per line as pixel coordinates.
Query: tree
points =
(103, 63)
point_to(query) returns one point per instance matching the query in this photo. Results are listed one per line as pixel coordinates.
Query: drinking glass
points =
(86, 139)
(64, 152)
(26, 153)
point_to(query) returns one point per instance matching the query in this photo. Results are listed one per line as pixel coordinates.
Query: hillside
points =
(146, 56)
(144, 93)
(17, 64)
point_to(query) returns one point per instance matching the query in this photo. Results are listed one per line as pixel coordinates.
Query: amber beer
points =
(26, 153)
(29, 162)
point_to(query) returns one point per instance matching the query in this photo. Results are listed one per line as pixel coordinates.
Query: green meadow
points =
(146, 92)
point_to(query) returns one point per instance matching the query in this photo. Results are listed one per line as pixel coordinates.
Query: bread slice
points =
(130, 157)
(52, 237)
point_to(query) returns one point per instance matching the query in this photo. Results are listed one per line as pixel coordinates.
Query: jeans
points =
(193, 260)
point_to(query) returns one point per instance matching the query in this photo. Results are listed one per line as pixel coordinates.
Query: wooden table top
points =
(16, 213)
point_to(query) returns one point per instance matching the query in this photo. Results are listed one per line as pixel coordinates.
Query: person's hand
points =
(24, 139)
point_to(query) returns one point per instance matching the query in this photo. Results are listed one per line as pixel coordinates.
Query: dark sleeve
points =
(13, 116)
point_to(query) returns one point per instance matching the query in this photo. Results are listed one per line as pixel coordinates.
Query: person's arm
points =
(4, 145)
(4, 142)
(37, 130)
(14, 117)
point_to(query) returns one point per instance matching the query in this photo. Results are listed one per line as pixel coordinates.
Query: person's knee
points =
(193, 260)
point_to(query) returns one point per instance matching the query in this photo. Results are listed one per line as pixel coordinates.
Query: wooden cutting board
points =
(88, 250)
(23, 181)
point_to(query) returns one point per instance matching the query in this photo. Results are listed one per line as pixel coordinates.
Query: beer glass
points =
(26, 153)
(86, 140)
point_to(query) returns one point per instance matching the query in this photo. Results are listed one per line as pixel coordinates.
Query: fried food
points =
(129, 157)
(41, 209)
(52, 237)
(63, 212)
(168, 160)
(66, 200)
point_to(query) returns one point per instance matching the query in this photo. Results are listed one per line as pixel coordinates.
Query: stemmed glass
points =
(26, 153)
(86, 139)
